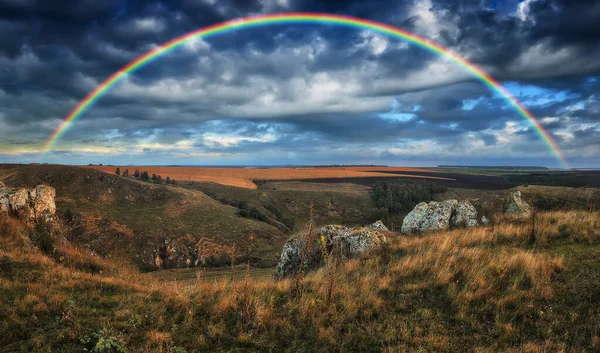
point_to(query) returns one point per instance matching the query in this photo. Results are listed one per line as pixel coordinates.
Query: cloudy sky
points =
(300, 94)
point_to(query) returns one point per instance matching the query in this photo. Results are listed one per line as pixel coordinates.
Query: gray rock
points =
(378, 226)
(351, 242)
(31, 204)
(484, 220)
(515, 206)
(465, 215)
(442, 215)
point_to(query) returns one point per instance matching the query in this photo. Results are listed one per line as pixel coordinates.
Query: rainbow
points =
(299, 18)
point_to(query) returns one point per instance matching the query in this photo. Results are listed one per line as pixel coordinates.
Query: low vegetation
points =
(484, 289)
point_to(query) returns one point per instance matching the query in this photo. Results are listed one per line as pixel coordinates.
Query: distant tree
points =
(159, 179)
(168, 180)
(145, 176)
(136, 174)
(118, 171)
(126, 173)
(154, 177)
(100, 164)
(393, 197)
(172, 181)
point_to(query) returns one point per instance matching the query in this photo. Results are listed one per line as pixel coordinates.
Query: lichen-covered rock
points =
(19, 203)
(30, 204)
(4, 199)
(42, 201)
(465, 215)
(289, 261)
(378, 226)
(484, 220)
(350, 242)
(429, 216)
(433, 216)
(515, 206)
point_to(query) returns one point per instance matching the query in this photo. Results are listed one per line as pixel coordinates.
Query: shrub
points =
(6, 267)
(103, 341)
(248, 211)
(42, 236)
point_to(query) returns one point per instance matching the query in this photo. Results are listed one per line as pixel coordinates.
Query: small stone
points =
(484, 220)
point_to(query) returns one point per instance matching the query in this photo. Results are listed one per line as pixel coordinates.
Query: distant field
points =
(243, 177)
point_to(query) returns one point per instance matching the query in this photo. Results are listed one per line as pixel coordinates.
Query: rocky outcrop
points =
(30, 204)
(515, 206)
(187, 252)
(464, 215)
(433, 216)
(331, 240)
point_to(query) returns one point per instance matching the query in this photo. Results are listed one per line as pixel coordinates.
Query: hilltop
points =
(124, 218)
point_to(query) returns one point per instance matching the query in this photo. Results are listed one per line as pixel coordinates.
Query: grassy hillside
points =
(482, 289)
(289, 202)
(123, 217)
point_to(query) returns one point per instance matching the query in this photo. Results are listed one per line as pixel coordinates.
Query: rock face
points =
(30, 204)
(465, 215)
(434, 216)
(515, 206)
(186, 252)
(331, 240)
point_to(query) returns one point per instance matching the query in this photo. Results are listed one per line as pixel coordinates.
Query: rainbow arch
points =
(300, 18)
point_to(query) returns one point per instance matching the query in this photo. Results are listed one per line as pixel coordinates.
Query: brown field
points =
(243, 177)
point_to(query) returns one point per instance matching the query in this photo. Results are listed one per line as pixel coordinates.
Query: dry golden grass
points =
(482, 289)
(242, 177)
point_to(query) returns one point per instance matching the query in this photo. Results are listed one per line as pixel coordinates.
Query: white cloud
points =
(220, 140)
(431, 22)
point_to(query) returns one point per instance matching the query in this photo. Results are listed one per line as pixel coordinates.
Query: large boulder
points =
(42, 201)
(465, 215)
(515, 206)
(30, 204)
(434, 216)
(331, 240)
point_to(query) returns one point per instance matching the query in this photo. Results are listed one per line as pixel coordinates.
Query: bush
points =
(247, 211)
(6, 267)
(102, 341)
(545, 203)
(42, 236)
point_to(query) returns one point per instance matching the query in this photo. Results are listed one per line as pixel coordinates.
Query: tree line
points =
(394, 197)
(145, 176)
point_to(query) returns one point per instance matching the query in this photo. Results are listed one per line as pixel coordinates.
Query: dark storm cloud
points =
(53, 55)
